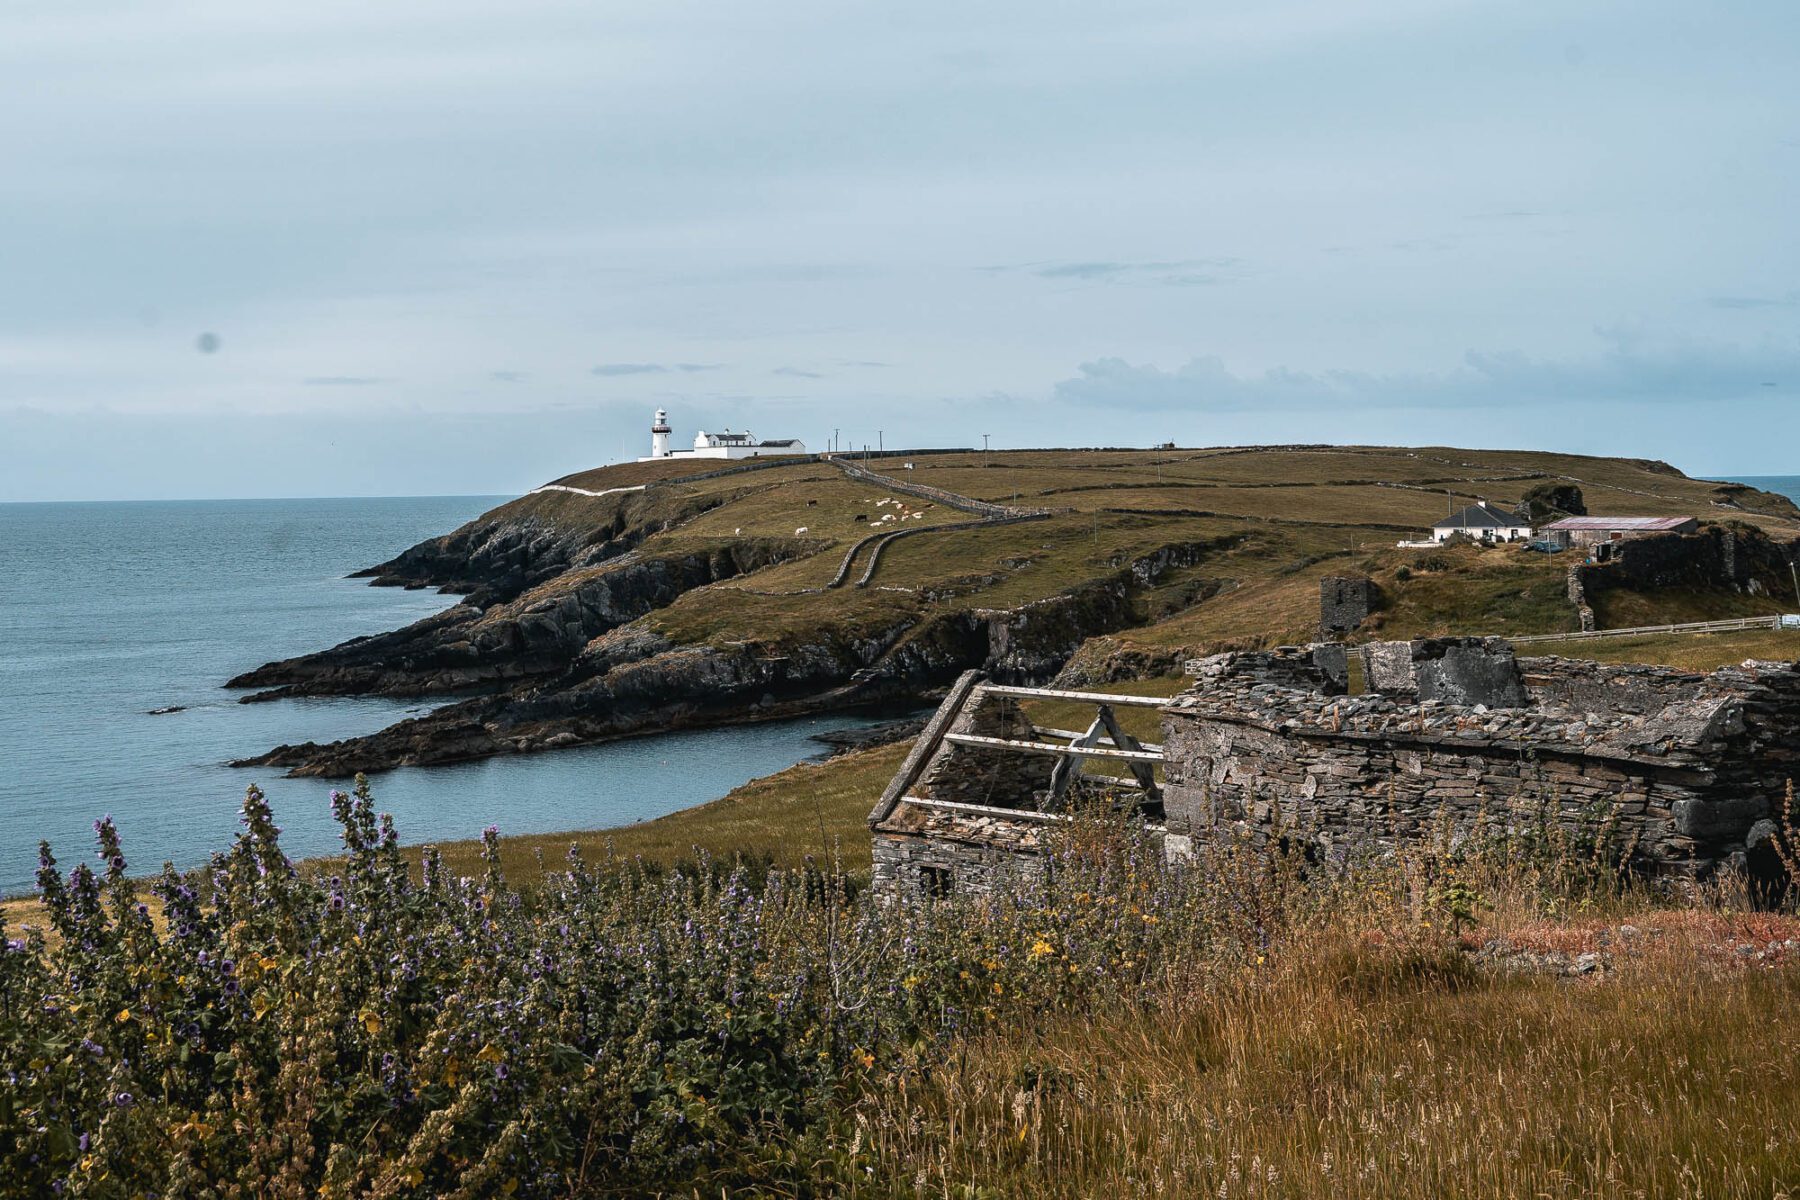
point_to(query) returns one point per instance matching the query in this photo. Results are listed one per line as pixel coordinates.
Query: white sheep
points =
(800, 531)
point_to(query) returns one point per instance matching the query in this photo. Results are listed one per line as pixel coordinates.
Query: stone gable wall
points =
(980, 775)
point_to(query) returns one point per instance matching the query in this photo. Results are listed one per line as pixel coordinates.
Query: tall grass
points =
(1240, 1023)
(1351, 1071)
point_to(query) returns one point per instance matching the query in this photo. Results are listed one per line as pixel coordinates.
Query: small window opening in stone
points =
(934, 882)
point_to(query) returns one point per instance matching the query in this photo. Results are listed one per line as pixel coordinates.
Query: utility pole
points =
(1795, 572)
(834, 441)
(984, 448)
(880, 446)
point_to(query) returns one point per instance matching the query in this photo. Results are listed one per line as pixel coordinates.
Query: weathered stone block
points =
(1388, 668)
(1469, 673)
(1705, 818)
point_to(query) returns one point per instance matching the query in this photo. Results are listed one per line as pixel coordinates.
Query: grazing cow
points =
(861, 518)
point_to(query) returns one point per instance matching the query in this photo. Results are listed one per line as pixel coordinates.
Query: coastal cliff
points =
(606, 607)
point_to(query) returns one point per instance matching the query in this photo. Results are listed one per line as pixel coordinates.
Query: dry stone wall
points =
(1691, 767)
(932, 863)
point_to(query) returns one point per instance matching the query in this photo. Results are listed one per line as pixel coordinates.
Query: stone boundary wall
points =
(937, 495)
(890, 538)
(744, 468)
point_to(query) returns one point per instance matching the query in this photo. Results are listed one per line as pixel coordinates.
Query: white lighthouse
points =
(659, 435)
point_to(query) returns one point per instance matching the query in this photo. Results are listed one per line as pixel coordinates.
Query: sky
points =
(324, 248)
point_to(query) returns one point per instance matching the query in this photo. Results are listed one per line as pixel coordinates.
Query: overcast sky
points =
(325, 248)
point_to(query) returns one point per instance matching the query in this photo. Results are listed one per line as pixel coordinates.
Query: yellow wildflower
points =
(1040, 949)
(124, 1016)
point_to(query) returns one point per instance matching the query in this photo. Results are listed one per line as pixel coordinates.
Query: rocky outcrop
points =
(532, 540)
(1731, 555)
(628, 678)
(536, 635)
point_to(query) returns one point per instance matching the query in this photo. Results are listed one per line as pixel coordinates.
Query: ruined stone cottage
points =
(1692, 768)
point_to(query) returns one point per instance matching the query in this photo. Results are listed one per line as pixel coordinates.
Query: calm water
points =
(1787, 485)
(110, 610)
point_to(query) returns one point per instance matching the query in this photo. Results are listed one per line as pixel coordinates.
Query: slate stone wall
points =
(980, 775)
(911, 867)
(1688, 765)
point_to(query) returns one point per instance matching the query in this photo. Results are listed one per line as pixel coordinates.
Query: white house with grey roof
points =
(1484, 523)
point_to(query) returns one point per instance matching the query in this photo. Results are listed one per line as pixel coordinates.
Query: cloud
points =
(796, 373)
(607, 370)
(610, 370)
(1630, 369)
(1791, 300)
(344, 381)
(1183, 272)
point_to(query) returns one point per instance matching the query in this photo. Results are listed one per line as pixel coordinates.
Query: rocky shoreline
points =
(549, 647)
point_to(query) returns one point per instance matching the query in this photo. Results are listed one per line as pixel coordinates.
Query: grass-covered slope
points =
(688, 593)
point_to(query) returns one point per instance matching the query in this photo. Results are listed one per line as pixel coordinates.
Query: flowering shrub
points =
(362, 1030)
(271, 1031)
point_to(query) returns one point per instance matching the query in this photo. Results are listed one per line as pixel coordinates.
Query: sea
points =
(110, 612)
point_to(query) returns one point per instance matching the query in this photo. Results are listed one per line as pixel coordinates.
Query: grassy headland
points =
(702, 597)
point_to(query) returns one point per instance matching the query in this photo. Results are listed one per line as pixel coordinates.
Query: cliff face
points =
(518, 546)
(537, 634)
(569, 661)
(630, 599)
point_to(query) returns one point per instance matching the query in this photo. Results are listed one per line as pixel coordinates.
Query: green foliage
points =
(700, 1028)
(616, 1028)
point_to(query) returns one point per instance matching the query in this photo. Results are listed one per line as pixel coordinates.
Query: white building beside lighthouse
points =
(718, 445)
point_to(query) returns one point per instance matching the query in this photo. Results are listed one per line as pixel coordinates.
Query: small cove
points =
(111, 610)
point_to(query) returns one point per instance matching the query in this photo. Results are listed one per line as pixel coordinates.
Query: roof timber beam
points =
(1052, 749)
(1026, 693)
(1071, 734)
